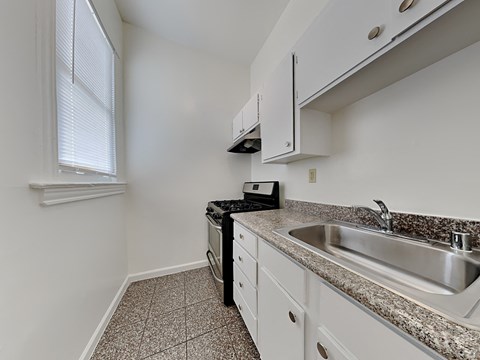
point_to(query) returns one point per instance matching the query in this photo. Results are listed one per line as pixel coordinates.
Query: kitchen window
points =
(85, 91)
(79, 72)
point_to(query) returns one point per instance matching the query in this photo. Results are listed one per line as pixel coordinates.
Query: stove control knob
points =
(209, 209)
(217, 216)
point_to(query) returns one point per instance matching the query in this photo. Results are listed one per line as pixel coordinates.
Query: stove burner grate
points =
(237, 205)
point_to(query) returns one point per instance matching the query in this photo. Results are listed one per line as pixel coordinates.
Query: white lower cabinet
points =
(293, 314)
(246, 289)
(347, 331)
(328, 347)
(281, 325)
(245, 277)
(248, 316)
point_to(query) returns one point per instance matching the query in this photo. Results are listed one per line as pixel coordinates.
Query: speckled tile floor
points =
(175, 317)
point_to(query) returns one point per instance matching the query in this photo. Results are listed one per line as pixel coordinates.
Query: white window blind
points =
(85, 90)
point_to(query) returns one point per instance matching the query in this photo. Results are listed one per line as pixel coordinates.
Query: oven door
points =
(215, 249)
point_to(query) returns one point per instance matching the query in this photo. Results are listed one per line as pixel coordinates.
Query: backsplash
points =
(431, 227)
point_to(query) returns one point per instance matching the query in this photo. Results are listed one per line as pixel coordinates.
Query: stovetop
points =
(236, 205)
(257, 196)
(218, 209)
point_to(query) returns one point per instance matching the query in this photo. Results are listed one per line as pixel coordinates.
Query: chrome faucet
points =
(384, 220)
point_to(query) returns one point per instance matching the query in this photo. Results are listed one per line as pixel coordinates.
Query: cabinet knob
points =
(374, 33)
(239, 307)
(322, 350)
(241, 236)
(292, 317)
(240, 284)
(287, 144)
(405, 5)
(240, 258)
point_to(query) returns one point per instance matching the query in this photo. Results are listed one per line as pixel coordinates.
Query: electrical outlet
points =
(312, 175)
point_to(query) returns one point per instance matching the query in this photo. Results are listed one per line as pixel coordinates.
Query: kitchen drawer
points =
(245, 238)
(290, 276)
(248, 291)
(247, 316)
(245, 262)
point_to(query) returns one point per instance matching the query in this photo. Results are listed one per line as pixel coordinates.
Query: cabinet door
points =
(248, 317)
(337, 41)
(361, 334)
(328, 347)
(250, 113)
(281, 322)
(406, 13)
(237, 125)
(277, 122)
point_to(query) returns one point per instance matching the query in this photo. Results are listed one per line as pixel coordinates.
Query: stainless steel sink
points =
(429, 273)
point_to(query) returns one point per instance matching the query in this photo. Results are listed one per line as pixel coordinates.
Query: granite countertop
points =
(445, 337)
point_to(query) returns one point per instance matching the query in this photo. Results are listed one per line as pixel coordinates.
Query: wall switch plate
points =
(312, 175)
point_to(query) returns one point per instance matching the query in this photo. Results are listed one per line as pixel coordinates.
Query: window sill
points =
(65, 192)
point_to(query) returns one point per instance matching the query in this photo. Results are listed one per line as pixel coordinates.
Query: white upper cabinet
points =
(237, 125)
(278, 111)
(251, 113)
(355, 48)
(288, 132)
(345, 33)
(247, 118)
(406, 13)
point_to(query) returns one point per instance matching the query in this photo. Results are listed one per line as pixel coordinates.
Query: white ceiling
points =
(231, 29)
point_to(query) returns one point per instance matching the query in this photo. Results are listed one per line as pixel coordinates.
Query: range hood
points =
(248, 144)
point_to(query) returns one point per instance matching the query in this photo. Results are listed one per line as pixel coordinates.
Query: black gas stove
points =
(258, 196)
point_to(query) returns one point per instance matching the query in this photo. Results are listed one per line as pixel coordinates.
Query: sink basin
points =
(429, 273)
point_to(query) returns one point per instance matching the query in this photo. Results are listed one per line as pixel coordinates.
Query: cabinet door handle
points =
(322, 350)
(374, 33)
(241, 236)
(240, 258)
(240, 284)
(405, 5)
(287, 143)
(239, 307)
(292, 317)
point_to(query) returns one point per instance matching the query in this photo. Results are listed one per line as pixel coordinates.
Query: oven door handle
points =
(210, 220)
(211, 267)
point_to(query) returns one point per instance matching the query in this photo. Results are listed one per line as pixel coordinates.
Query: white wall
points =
(60, 266)
(414, 144)
(178, 110)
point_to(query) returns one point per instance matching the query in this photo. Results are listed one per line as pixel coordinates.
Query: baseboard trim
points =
(92, 344)
(166, 271)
